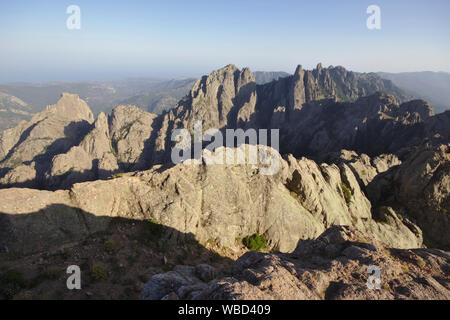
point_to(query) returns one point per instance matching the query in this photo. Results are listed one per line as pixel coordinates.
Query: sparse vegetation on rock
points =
(255, 242)
(347, 193)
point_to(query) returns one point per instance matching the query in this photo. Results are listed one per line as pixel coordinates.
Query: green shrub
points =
(362, 239)
(98, 273)
(117, 175)
(347, 193)
(255, 242)
(210, 242)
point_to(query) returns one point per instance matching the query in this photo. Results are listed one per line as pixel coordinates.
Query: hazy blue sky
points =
(189, 38)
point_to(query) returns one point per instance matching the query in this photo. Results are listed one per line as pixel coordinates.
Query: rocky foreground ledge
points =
(334, 266)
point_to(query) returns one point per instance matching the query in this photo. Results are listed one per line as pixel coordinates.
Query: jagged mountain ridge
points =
(400, 199)
(20, 101)
(305, 107)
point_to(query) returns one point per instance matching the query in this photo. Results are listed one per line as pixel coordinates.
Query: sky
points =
(189, 38)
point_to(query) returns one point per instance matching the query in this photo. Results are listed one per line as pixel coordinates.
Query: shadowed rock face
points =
(28, 149)
(29, 139)
(58, 148)
(130, 128)
(419, 187)
(332, 267)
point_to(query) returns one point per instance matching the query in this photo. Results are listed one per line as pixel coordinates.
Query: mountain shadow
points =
(117, 256)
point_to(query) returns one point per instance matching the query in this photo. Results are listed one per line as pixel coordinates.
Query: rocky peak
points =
(97, 141)
(130, 129)
(72, 107)
(49, 132)
(102, 124)
(297, 92)
(319, 67)
(298, 70)
(245, 77)
(228, 68)
(217, 98)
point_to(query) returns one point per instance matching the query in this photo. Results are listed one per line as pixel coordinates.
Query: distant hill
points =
(160, 96)
(104, 96)
(13, 110)
(40, 95)
(433, 87)
(20, 101)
